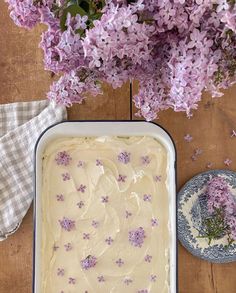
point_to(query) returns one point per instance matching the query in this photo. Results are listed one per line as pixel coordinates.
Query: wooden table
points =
(22, 78)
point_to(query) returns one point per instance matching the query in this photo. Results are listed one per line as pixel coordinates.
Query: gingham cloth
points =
(20, 126)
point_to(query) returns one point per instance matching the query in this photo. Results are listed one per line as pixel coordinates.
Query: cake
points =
(105, 216)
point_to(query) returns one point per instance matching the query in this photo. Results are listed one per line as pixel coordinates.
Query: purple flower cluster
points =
(89, 262)
(175, 49)
(124, 157)
(220, 197)
(63, 158)
(136, 237)
(67, 224)
(24, 13)
(70, 88)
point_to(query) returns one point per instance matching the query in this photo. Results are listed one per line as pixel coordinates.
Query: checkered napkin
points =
(20, 126)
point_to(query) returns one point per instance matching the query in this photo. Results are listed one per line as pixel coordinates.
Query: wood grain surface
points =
(22, 78)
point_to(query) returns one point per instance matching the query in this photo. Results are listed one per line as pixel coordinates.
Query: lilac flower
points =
(233, 133)
(218, 193)
(127, 281)
(63, 158)
(120, 262)
(89, 262)
(95, 224)
(209, 165)
(60, 272)
(128, 214)
(109, 240)
(80, 204)
(68, 246)
(193, 158)
(136, 237)
(185, 48)
(227, 162)
(220, 199)
(121, 178)
(153, 278)
(81, 188)
(101, 279)
(99, 162)
(124, 157)
(24, 13)
(65, 176)
(147, 197)
(196, 39)
(70, 89)
(154, 222)
(197, 152)
(60, 197)
(157, 178)
(148, 258)
(63, 46)
(67, 224)
(86, 236)
(188, 137)
(104, 199)
(81, 164)
(71, 281)
(145, 160)
(231, 221)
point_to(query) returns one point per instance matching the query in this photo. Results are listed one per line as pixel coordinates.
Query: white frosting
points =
(123, 197)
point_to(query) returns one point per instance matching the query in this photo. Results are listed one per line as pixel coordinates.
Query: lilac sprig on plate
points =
(222, 208)
(206, 216)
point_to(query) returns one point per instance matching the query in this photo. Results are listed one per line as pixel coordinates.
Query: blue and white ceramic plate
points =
(192, 210)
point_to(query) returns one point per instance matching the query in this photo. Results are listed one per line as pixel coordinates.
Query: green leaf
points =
(96, 16)
(73, 10)
(85, 5)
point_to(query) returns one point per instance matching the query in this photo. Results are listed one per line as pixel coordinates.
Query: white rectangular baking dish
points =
(101, 128)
